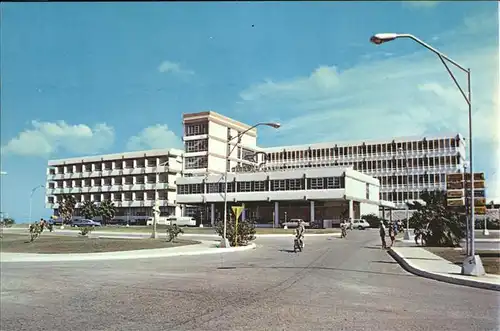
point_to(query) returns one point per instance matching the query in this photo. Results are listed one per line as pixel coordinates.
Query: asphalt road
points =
(335, 284)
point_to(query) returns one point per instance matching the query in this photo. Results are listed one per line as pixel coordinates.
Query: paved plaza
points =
(335, 284)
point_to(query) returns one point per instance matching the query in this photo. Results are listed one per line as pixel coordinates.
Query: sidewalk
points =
(205, 247)
(421, 262)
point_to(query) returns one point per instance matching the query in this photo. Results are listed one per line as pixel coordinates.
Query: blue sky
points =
(89, 78)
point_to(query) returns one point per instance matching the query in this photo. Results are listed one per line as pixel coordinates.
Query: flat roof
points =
(359, 142)
(282, 174)
(116, 156)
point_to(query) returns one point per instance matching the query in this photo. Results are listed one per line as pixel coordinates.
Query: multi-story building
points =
(206, 137)
(132, 181)
(405, 166)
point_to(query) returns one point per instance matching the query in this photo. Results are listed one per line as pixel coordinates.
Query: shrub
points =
(373, 220)
(86, 230)
(173, 231)
(35, 231)
(246, 231)
(442, 226)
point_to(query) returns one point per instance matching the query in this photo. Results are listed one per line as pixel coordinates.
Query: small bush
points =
(173, 231)
(35, 231)
(373, 220)
(246, 231)
(86, 230)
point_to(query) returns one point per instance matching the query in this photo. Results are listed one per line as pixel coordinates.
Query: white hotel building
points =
(403, 167)
(132, 181)
(288, 178)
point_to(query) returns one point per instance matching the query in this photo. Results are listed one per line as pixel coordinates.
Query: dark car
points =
(84, 222)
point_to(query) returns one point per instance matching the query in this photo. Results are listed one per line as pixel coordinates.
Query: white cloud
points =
(154, 137)
(47, 138)
(175, 68)
(389, 97)
(421, 4)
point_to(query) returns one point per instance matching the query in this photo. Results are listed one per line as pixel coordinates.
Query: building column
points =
(276, 214)
(212, 214)
(383, 212)
(311, 208)
(243, 212)
(390, 215)
(351, 210)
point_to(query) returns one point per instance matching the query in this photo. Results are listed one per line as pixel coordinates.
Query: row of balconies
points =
(110, 188)
(123, 204)
(116, 172)
(451, 152)
(414, 186)
(100, 181)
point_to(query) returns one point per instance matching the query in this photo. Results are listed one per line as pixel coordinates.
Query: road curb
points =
(440, 277)
(123, 255)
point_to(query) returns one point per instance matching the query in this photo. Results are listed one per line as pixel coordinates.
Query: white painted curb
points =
(440, 277)
(123, 255)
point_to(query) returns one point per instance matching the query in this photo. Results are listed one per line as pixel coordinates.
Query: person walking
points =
(392, 233)
(382, 234)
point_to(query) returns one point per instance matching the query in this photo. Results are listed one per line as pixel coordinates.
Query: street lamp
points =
(2, 173)
(407, 230)
(472, 264)
(31, 197)
(229, 151)
(154, 234)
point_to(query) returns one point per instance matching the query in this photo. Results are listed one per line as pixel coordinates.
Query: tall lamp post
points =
(229, 151)
(33, 190)
(472, 264)
(154, 233)
(2, 214)
(407, 230)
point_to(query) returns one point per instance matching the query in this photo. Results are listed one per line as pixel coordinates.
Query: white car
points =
(360, 224)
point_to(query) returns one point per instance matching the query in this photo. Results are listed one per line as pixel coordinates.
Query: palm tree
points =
(445, 227)
(89, 210)
(107, 211)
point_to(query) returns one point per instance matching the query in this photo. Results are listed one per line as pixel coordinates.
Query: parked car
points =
(294, 222)
(84, 222)
(360, 224)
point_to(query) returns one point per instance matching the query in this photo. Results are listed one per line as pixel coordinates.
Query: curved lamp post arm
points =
(381, 38)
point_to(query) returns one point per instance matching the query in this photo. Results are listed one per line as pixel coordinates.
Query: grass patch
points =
(490, 259)
(53, 244)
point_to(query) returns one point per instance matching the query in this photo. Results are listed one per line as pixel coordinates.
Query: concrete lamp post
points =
(472, 264)
(156, 207)
(2, 214)
(33, 190)
(407, 230)
(229, 151)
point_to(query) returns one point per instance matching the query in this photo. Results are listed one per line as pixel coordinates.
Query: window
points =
(278, 185)
(213, 188)
(295, 184)
(315, 183)
(334, 182)
(260, 186)
(367, 191)
(195, 129)
(190, 189)
(193, 146)
(196, 162)
(244, 186)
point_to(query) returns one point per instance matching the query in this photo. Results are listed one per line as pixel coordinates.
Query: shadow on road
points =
(287, 250)
(373, 247)
(386, 262)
